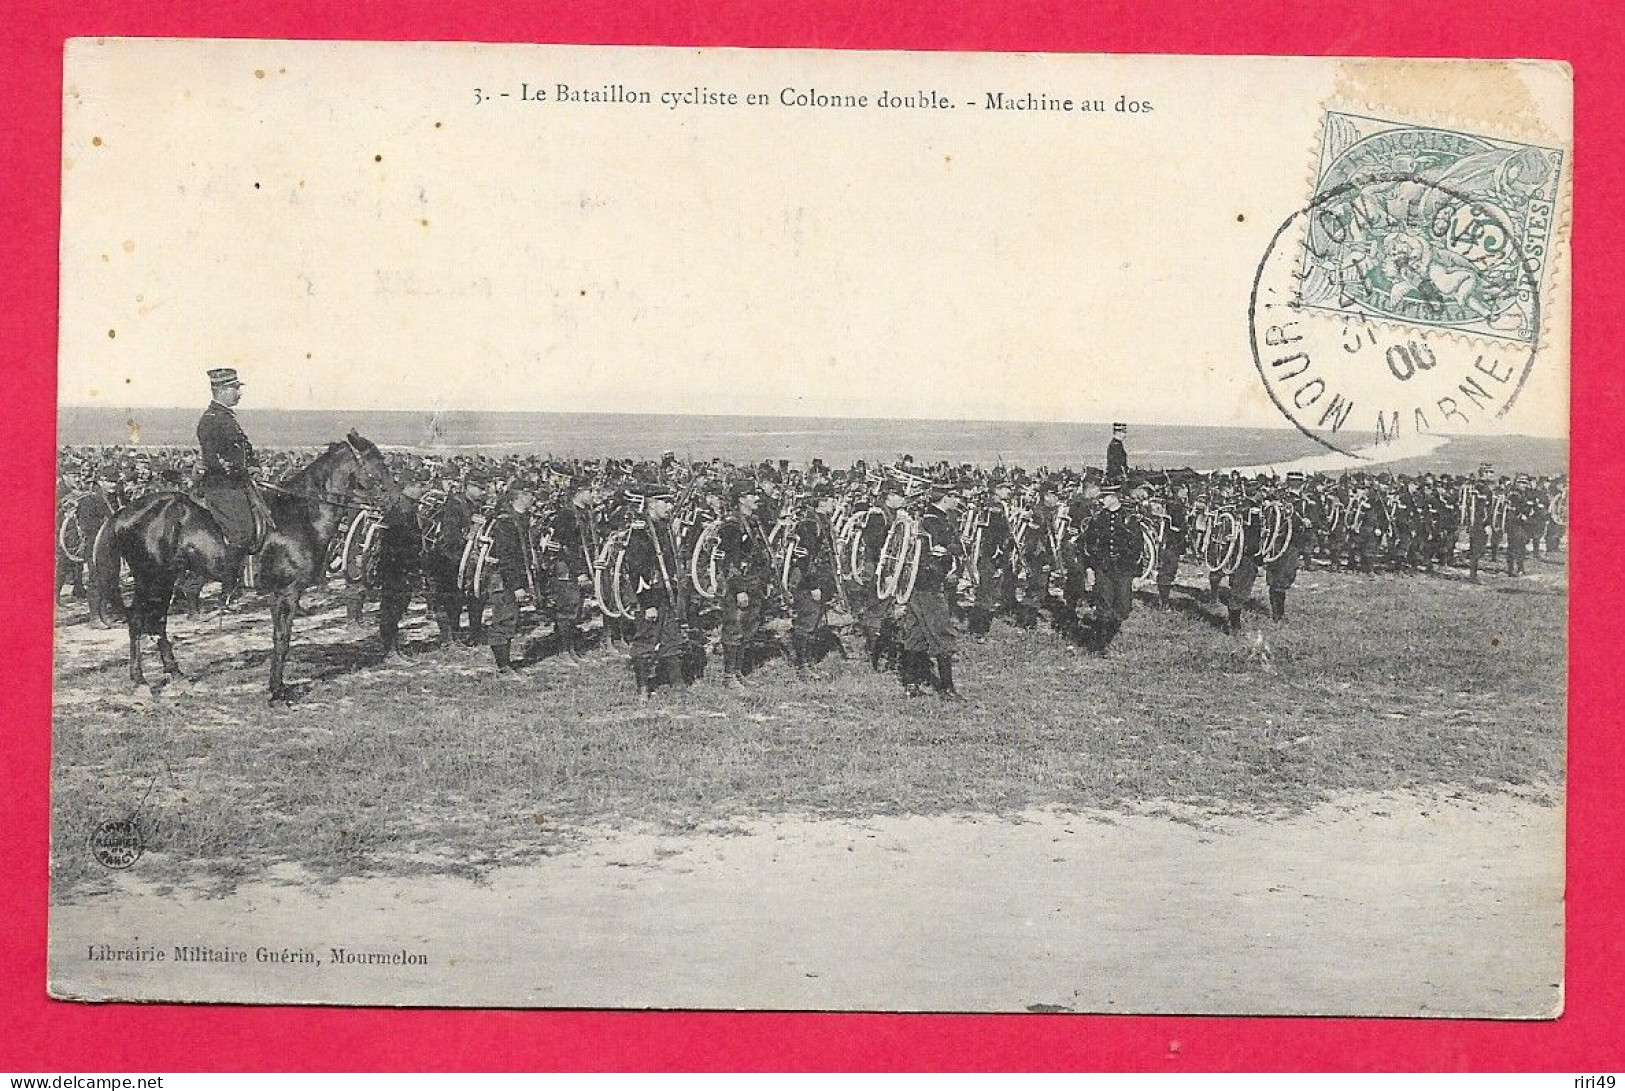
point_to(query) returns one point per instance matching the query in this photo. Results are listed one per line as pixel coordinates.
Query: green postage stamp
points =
(1429, 227)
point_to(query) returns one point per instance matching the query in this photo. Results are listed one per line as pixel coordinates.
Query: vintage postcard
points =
(730, 529)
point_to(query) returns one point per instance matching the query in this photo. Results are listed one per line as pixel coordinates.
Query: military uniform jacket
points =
(456, 513)
(939, 549)
(400, 541)
(1373, 521)
(228, 457)
(744, 557)
(1116, 461)
(1074, 551)
(1177, 531)
(1040, 541)
(1521, 509)
(1540, 502)
(1252, 528)
(995, 535)
(813, 566)
(510, 547)
(1112, 542)
(92, 510)
(570, 540)
(1447, 511)
(651, 562)
(876, 525)
(1412, 514)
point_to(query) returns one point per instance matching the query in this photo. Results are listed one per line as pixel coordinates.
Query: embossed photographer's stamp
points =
(117, 844)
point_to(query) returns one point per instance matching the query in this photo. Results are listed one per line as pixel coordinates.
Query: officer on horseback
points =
(227, 488)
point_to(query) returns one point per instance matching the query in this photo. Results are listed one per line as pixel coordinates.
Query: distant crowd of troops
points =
(686, 562)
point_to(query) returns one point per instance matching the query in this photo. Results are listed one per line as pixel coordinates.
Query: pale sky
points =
(349, 228)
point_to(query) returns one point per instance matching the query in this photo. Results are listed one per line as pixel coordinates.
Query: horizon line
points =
(1285, 426)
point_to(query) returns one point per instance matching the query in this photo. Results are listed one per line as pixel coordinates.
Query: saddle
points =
(243, 515)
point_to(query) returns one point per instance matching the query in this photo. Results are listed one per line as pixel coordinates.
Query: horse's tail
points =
(106, 596)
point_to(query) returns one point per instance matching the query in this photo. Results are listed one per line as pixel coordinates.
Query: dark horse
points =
(168, 536)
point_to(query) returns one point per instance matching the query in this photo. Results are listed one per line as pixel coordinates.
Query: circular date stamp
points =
(1405, 298)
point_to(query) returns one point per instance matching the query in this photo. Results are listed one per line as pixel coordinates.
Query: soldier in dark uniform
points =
(1340, 507)
(746, 565)
(568, 563)
(481, 502)
(1111, 544)
(874, 614)
(1409, 531)
(1521, 507)
(1310, 511)
(1117, 455)
(811, 582)
(1176, 529)
(227, 488)
(927, 629)
(995, 586)
(1042, 561)
(655, 568)
(1540, 500)
(443, 550)
(1073, 562)
(1479, 504)
(1556, 505)
(1368, 522)
(1442, 520)
(704, 614)
(1281, 572)
(1251, 514)
(399, 565)
(91, 510)
(509, 559)
(1499, 510)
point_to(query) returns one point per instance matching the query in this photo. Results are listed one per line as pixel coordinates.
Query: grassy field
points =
(1376, 683)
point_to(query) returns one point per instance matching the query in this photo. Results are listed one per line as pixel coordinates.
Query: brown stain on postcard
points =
(1487, 94)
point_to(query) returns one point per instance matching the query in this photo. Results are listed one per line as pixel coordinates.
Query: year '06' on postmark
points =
(1406, 295)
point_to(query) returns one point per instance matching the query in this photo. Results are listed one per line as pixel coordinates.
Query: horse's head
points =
(365, 473)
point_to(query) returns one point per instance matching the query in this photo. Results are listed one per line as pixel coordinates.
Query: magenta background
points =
(42, 1035)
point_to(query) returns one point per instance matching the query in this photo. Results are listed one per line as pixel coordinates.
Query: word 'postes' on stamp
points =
(1350, 381)
(1429, 227)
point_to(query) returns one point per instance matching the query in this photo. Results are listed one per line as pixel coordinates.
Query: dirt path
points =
(1380, 905)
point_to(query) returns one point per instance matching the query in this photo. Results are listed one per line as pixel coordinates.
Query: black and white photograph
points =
(724, 529)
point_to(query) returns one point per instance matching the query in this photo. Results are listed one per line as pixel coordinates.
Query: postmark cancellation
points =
(1407, 297)
(1430, 227)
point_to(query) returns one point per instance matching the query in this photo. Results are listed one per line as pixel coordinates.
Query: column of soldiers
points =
(474, 536)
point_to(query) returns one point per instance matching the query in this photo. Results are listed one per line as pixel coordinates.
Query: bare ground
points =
(1358, 812)
(1371, 906)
